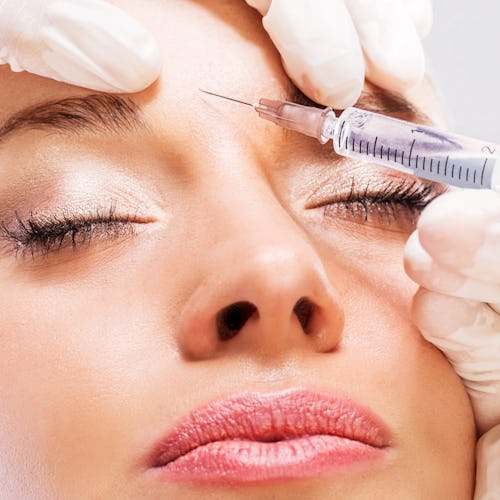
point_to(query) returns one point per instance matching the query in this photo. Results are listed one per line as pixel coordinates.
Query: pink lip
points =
(254, 437)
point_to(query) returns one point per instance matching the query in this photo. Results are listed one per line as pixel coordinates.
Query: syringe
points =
(374, 138)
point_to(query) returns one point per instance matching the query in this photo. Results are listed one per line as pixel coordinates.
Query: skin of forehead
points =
(186, 68)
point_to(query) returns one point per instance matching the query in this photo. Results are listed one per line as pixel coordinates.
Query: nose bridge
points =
(250, 218)
(264, 275)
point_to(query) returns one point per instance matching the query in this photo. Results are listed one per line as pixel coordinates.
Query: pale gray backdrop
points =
(464, 53)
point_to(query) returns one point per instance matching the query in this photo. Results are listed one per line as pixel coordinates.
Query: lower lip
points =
(240, 461)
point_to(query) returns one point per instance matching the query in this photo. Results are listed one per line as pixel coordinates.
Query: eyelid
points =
(394, 204)
(51, 232)
(338, 188)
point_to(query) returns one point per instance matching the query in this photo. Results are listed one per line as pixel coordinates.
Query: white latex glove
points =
(327, 46)
(89, 43)
(454, 255)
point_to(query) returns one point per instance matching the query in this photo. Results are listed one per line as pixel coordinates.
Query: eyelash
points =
(384, 203)
(51, 233)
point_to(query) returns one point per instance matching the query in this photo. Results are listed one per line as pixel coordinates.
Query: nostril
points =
(304, 309)
(231, 319)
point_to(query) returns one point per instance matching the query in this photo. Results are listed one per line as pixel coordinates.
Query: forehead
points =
(219, 46)
(204, 45)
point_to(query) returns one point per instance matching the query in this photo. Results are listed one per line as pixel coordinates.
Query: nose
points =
(267, 294)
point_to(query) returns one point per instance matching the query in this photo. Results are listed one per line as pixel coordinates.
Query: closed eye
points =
(41, 235)
(392, 203)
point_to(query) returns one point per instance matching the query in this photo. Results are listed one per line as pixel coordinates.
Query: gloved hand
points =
(327, 46)
(89, 43)
(454, 255)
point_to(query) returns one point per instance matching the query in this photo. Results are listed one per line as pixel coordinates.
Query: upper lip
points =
(269, 417)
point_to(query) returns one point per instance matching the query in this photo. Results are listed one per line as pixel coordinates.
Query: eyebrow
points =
(111, 113)
(95, 112)
(376, 100)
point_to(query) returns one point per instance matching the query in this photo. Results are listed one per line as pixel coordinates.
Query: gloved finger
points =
(488, 465)
(319, 48)
(461, 230)
(468, 333)
(420, 12)
(392, 47)
(430, 274)
(261, 5)
(89, 43)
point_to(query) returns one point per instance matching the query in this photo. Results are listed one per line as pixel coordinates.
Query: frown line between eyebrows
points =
(94, 113)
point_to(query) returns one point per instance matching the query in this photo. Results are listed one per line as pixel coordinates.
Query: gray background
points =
(464, 53)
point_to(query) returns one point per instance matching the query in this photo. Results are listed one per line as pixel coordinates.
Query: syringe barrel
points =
(416, 149)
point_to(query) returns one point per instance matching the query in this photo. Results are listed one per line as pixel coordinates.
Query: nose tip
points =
(272, 300)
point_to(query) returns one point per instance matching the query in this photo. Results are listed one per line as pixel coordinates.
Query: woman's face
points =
(126, 238)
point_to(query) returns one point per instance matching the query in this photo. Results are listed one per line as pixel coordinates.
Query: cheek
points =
(407, 376)
(368, 272)
(416, 389)
(80, 350)
(79, 360)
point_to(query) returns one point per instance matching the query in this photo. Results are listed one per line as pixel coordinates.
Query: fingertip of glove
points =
(439, 221)
(457, 222)
(397, 72)
(439, 315)
(97, 45)
(488, 463)
(420, 11)
(416, 260)
(424, 270)
(341, 96)
(320, 49)
(330, 82)
(150, 64)
(341, 99)
(391, 44)
(464, 203)
(336, 85)
(261, 5)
